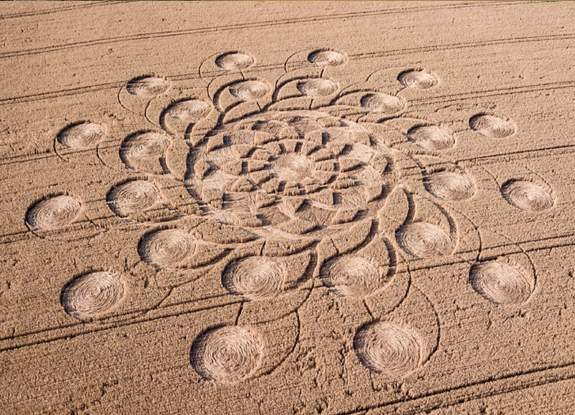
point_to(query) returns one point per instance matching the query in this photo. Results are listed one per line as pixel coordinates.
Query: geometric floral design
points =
(300, 183)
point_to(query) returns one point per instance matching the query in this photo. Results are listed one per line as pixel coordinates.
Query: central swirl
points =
(294, 172)
(292, 167)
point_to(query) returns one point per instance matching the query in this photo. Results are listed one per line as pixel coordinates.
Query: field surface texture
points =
(345, 208)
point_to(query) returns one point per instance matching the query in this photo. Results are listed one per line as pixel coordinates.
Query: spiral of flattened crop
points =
(317, 87)
(82, 136)
(148, 87)
(350, 276)
(382, 103)
(145, 145)
(418, 79)
(450, 185)
(424, 240)
(326, 58)
(191, 110)
(53, 212)
(166, 248)
(526, 195)
(491, 126)
(254, 278)
(227, 354)
(388, 348)
(500, 283)
(431, 137)
(249, 90)
(92, 294)
(133, 197)
(234, 61)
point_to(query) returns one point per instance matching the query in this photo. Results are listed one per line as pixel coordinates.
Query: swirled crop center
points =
(417, 79)
(383, 103)
(292, 167)
(81, 136)
(148, 86)
(326, 58)
(92, 294)
(166, 248)
(191, 110)
(450, 185)
(254, 278)
(133, 197)
(500, 282)
(234, 61)
(388, 348)
(227, 354)
(248, 90)
(298, 172)
(317, 87)
(145, 145)
(53, 212)
(424, 240)
(492, 126)
(431, 137)
(350, 276)
(527, 195)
